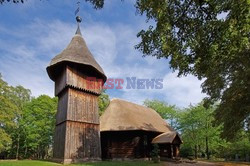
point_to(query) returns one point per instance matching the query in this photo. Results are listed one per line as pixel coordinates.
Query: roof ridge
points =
(131, 103)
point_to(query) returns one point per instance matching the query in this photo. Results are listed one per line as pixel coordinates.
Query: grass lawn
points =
(226, 163)
(102, 163)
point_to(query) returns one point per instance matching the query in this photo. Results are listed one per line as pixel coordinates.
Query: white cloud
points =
(182, 91)
(176, 91)
(101, 40)
(23, 62)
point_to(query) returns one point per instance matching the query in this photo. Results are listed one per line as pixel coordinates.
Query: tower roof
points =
(76, 52)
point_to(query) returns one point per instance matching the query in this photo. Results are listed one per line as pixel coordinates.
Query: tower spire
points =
(78, 19)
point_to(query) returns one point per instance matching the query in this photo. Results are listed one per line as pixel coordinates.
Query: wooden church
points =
(77, 133)
(127, 130)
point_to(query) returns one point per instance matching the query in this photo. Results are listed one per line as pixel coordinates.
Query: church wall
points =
(126, 144)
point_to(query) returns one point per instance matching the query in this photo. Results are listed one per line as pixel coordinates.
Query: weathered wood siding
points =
(62, 108)
(126, 144)
(82, 141)
(72, 77)
(59, 141)
(83, 107)
(170, 150)
(77, 133)
(60, 82)
(79, 79)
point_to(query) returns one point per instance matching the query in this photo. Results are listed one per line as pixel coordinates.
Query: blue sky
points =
(31, 34)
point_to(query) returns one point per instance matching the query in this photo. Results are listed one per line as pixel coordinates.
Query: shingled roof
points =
(122, 115)
(76, 52)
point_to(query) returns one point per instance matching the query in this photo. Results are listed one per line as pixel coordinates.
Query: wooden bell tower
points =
(77, 134)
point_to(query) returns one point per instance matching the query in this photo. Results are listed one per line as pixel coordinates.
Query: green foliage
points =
(7, 117)
(103, 102)
(38, 126)
(97, 4)
(13, 1)
(168, 112)
(199, 133)
(155, 153)
(196, 125)
(26, 126)
(240, 145)
(199, 40)
(8, 112)
(5, 140)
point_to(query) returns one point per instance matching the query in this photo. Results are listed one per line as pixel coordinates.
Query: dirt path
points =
(203, 163)
(199, 163)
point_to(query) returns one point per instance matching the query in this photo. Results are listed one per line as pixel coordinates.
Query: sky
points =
(31, 34)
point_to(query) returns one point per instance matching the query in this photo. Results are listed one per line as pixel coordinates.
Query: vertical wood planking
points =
(83, 107)
(82, 140)
(77, 133)
(59, 141)
(62, 108)
(78, 79)
(60, 82)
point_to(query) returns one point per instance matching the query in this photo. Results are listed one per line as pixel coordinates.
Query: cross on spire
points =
(78, 8)
(78, 18)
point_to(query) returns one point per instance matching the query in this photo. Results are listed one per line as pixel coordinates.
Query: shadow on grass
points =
(119, 163)
(49, 163)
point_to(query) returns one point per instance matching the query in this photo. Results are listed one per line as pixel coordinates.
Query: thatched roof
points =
(167, 137)
(122, 115)
(76, 52)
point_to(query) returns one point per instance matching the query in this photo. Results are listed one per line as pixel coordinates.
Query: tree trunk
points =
(25, 151)
(196, 152)
(17, 147)
(26, 147)
(207, 148)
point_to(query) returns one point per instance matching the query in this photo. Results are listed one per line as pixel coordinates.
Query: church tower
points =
(78, 83)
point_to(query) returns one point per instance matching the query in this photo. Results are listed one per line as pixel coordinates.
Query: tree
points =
(103, 102)
(167, 112)
(26, 126)
(7, 116)
(13, 1)
(198, 131)
(38, 126)
(240, 145)
(209, 39)
(19, 96)
(97, 4)
(9, 112)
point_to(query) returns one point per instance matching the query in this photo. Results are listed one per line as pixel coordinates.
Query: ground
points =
(103, 163)
(119, 163)
(203, 163)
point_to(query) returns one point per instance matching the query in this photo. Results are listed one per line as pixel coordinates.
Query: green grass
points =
(102, 163)
(26, 163)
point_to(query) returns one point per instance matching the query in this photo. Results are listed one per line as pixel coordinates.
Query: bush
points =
(155, 153)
